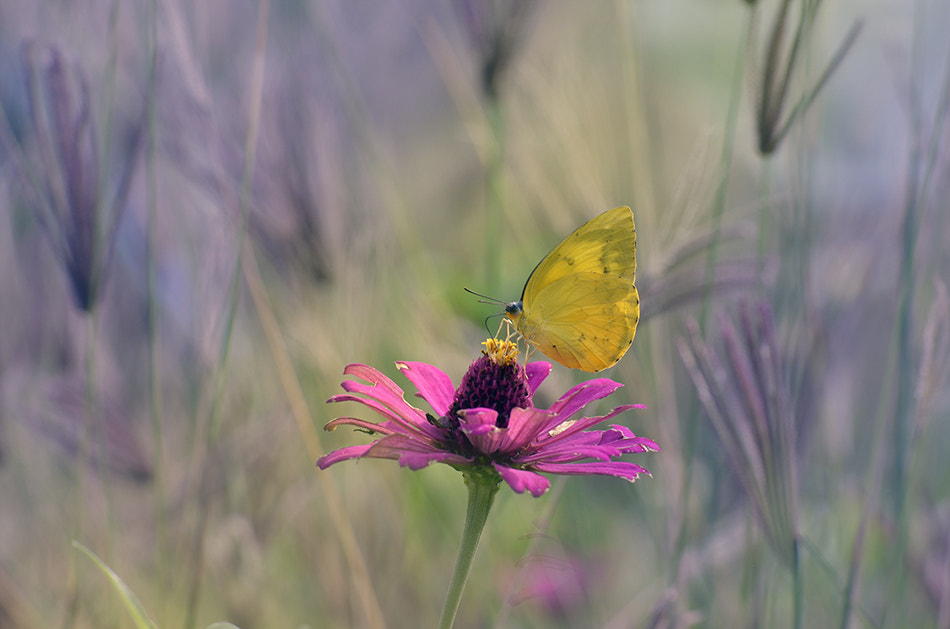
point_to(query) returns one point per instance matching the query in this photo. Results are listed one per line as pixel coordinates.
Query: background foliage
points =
(210, 208)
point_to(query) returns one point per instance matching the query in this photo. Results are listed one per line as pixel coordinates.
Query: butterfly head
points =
(514, 310)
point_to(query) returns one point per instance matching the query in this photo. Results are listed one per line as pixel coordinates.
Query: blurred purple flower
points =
(744, 389)
(559, 584)
(489, 424)
(496, 28)
(59, 171)
(84, 426)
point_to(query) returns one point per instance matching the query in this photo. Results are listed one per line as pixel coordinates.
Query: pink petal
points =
(418, 460)
(523, 426)
(373, 376)
(412, 453)
(628, 442)
(581, 395)
(408, 420)
(480, 426)
(584, 423)
(385, 397)
(520, 480)
(567, 452)
(621, 469)
(394, 401)
(433, 385)
(371, 427)
(536, 373)
(600, 445)
(343, 454)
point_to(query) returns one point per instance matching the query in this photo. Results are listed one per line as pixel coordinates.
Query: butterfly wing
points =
(579, 305)
(606, 244)
(584, 321)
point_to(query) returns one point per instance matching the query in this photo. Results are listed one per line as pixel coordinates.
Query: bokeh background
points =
(209, 209)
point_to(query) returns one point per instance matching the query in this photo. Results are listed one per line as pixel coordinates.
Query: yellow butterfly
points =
(580, 306)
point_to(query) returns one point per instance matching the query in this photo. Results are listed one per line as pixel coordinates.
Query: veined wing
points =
(584, 321)
(606, 245)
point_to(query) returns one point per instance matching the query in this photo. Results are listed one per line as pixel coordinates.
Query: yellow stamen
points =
(511, 332)
(501, 352)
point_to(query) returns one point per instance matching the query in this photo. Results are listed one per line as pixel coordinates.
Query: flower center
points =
(495, 380)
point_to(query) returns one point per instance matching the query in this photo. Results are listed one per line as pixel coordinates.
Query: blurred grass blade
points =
(131, 602)
(935, 357)
(777, 74)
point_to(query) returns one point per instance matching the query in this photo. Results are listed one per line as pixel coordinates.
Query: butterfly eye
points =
(514, 310)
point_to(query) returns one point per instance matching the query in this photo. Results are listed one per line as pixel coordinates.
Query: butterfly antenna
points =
(485, 299)
(492, 316)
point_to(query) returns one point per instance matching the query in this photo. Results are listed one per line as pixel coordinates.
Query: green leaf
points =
(132, 604)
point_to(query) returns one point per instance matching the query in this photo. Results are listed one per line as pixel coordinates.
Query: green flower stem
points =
(481, 495)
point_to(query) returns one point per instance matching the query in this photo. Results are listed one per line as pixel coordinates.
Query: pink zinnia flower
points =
(489, 424)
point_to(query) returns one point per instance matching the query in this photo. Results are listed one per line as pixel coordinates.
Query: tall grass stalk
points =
(387, 182)
(93, 433)
(496, 30)
(218, 378)
(725, 164)
(128, 598)
(691, 433)
(494, 194)
(773, 123)
(931, 156)
(84, 462)
(873, 483)
(311, 438)
(746, 399)
(543, 524)
(153, 340)
(109, 96)
(480, 115)
(906, 366)
(921, 162)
